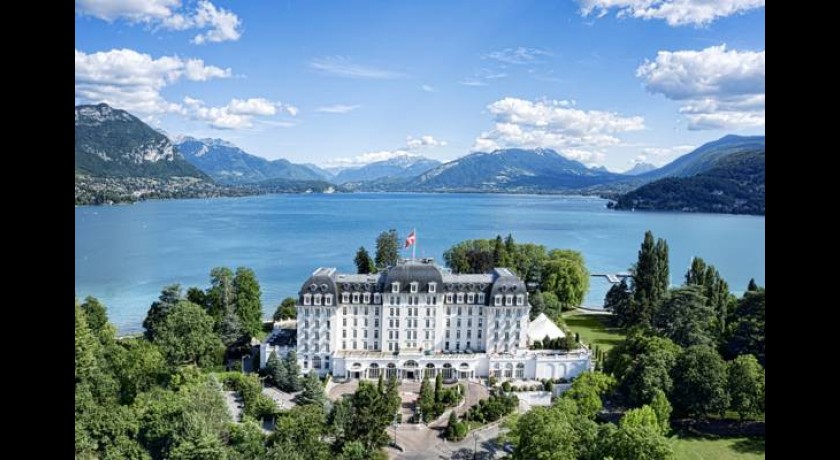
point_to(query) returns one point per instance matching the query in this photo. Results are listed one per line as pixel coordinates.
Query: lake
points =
(126, 254)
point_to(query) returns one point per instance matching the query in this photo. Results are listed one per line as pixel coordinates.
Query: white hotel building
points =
(418, 319)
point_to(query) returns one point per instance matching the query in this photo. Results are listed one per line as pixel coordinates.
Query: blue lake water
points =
(126, 254)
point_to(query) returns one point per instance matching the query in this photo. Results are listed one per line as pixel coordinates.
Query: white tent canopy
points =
(541, 326)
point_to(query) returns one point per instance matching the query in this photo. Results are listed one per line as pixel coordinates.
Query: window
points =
(447, 345)
(355, 333)
(344, 321)
(468, 344)
(307, 299)
(447, 333)
(376, 322)
(354, 345)
(366, 299)
(459, 310)
(345, 298)
(458, 345)
(469, 322)
(432, 287)
(479, 333)
(497, 324)
(395, 287)
(480, 322)
(390, 323)
(449, 298)
(317, 335)
(390, 347)
(520, 371)
(306, 323)
(460, 297)
(328, 324)
(344, 310)
(414, 287)
(448, 310)
(377, 299)
(459, 322)
(427, 335)
(366, 322)
(317, 299)
(344, 333)
(458, 334)
(328, 299)
(410, 302)
(480, 312)
(398, 324)
(375, 345)
(305, 362)
(343, 344)
(427, 322)
(376, 333)
(396, 334)
(507, 312)
(355, 309)
(471, 299)
(316, 362)
(509, 299)
(415, 311)
(469, 334)
(355, 322)
(390, 334)
(428, 312)
(481, 297)
(498, 300)
(398, 310)
(448, 322)
(520, 299)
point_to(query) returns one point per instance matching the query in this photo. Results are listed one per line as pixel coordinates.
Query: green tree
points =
(221, 297)
(300, 430)
(426, 400)
(97, 317)
(387, 249)
(339, 418)
(699, 376)
(369, 418)
(537, 305)
(230, 330)
(455, 429)
(633, 442)
(364, 263)
(662, 408)
(552, 307)
(87, 348)
(686, 318)
(745, 385)
(248, 303)
(752, 286)
(139, 368)
(197, 296)
(289, 378)
(642, 417)
(186, 336)
(746, 327)
(619, 301)
(313, 391)
(169, 296)
(272, 365)
(500, 255)
(438, 387)
(587, 390)
(565, 274)
(286, 309)
(714, 290)
(247, 441)
(642, 365)
(650, 279)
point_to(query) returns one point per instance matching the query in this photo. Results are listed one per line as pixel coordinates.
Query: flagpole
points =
(414, 246)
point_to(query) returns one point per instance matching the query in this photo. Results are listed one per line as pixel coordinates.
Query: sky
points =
(344, 83)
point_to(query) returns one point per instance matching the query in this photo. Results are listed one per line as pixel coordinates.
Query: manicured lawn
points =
(709, 448)
(594, 329)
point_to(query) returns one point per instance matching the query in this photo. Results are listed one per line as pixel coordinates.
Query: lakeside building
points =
(418, 319)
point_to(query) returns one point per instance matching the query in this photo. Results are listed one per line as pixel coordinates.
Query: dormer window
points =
(432, 287)
(366, 297)
(509, 299)
(317, 298)
(470, 297)
(414, 287)
(498, 301)
(355, 297)
(449, 297)
(481, 297)
(345, 297)
(520, 299)
(395, 287)
(377, 298)
(460, 297)
(307, 299)
(328, 299)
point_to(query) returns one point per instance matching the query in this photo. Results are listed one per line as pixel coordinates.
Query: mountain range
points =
(113, 143)
(639, 168)
(401, 166)
(228, 164)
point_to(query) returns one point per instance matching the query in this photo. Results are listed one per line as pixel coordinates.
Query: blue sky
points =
(607, 82)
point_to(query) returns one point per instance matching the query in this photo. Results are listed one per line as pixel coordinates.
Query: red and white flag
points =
(410, 239)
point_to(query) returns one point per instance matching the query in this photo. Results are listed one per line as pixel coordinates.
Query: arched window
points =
(391, 371)
(447, 371)
(316, 362)
(508, 370)
(411, 364)
(429, 372)
(373, 371)
(520, 371)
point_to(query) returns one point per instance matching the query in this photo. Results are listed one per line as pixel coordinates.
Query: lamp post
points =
(475, 445)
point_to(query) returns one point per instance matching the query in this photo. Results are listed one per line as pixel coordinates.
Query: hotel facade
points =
(417, 319)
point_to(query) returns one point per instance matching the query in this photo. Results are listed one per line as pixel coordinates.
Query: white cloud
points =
(132, 10)
(428, 89)
(719, 88)
(218, 24)
(413, 143)
(340, 66)
(337, 108)
(369, 157)
(658, 156)
(517, 56)
(472, 82)
(674, 12)
(130, 80)
(577, 134)
(238, 113)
